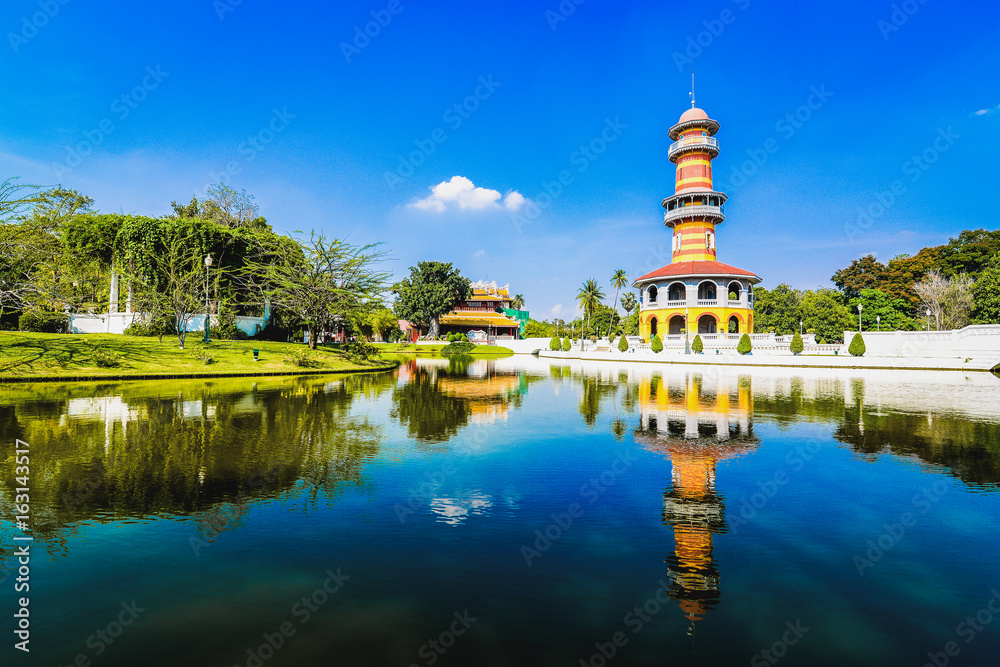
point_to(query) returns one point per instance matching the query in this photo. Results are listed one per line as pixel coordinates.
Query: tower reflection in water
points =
(696, 421)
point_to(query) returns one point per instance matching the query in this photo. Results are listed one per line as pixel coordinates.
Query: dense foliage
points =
(745, 346)
(697, 345)
(431, 290)
(857, 347)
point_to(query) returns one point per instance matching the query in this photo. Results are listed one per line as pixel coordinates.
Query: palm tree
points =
(619, 279)
(589, 297)
(629, 303)
(518, 302)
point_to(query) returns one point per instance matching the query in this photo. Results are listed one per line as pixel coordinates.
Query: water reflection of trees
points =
(136, 450)
(437, 400)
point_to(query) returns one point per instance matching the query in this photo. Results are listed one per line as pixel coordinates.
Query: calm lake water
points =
(511, 512)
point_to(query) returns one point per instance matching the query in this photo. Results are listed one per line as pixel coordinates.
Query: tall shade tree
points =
(986, 294)
(320, 281)
(518, 302)
(619, 279)
(431, 290)
(588, 297)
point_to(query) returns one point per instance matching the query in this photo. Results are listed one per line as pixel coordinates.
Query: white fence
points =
(973, 341)
(116, 323)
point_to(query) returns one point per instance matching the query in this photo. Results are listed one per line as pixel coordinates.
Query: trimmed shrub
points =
(555, 343)
(360, 349)
(622, 344)
(745, 346)
(43, 322)
(797, 346)
(697, 345)
(566, 344)
(657, 344)
(857, 347)
(458, 347)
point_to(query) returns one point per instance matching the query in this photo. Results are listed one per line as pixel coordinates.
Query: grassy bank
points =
(436, 348)
(31, 356)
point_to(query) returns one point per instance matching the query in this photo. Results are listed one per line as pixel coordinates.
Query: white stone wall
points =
(976, 341)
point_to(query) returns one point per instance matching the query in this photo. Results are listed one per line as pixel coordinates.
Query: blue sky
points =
(345, 134)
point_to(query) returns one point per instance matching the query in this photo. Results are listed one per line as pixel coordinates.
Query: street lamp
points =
(687, 348)
(208, 265)
(928, 319)
(878, 322)
(860, 308)
(800, 327)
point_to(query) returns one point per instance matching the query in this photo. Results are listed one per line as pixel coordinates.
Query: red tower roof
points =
(697, 268)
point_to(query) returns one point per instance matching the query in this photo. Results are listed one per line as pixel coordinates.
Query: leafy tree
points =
(535, 329)
(589, 297)
(823, 312)
(950, 300)
(324, 280)
(517, 303)
(797, 346)
(986, 294)
(857, 346)
(431, 290)
(629, 303)
(230, 208)
(566, 345)
(777, 309)
(745, 346)
(604, 319)
(697, 345)
(622, 344)
(893, 312)
(657, 345)
(866, 272)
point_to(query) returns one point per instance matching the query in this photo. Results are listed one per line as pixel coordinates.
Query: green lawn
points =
(25, 356)
(435, 348)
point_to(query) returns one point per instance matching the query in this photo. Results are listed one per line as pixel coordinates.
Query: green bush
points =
(745, 346)
(458, 347)
(161, 327)
(697, 345)
(360, 349)
(105, 358)
(622, 344)
(857, 347)
(43, 322)
(555, 343)
(796, 346)
(611, 339)
(566, 344)
(657, 344)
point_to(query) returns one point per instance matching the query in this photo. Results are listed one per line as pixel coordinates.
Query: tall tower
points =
(695, 293)
(695, 208)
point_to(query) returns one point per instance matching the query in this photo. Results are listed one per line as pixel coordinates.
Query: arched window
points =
(678, 292)
(706, 291)
(651, 293)
(734, 325)
(652, 327)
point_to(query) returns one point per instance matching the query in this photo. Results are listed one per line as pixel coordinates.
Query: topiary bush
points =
(555, 343)
(745, 346)
(857, 347)
(697, 345)
(566, 344)
(622, 344)
(611, 339)
(796, 347)
(657, 344)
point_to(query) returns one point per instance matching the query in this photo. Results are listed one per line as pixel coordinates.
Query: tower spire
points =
(692, 89)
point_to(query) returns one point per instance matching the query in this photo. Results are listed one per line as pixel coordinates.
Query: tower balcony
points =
(673, 216)
(708, 145)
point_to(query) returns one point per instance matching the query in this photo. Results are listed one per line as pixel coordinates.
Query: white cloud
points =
(464, 194)
(480, 253)
(556, 310)
(983, 112)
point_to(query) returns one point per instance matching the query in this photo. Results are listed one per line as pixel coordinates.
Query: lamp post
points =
(928, 319)
(687, 348)
(800, 327)
(208, 265)
(878, 323)
(860, 308)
